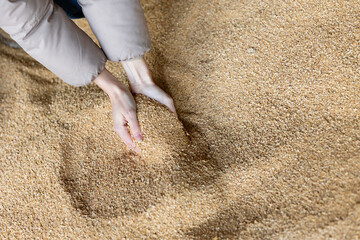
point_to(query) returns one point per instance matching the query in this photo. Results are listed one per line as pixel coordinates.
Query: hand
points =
(123, 108)
(141, 82)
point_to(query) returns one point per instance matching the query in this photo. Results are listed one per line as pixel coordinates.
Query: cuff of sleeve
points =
(131, 55)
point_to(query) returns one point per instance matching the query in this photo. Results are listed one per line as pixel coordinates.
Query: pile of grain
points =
(266, 146)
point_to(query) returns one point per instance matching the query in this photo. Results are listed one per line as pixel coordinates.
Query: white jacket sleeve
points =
(45, 32)
(120, 27)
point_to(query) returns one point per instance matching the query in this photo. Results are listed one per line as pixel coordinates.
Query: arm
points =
(120, 27)
(44, 31)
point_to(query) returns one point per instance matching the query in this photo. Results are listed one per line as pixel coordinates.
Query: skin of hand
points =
(122, 101)
(141, 82)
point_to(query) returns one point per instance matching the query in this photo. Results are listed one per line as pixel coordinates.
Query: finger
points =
(165, 99)
(171, 106)
(126, 138)
(169, 102)
(121, 129)
(134, 125)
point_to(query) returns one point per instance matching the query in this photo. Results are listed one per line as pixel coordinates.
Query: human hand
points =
(123, 108)
(141, 82)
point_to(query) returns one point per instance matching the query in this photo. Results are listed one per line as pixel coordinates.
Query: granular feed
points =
(267, 144)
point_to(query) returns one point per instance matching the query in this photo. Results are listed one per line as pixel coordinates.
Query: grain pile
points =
(267, 145)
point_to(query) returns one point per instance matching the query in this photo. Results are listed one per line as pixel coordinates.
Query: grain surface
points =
(267, 144)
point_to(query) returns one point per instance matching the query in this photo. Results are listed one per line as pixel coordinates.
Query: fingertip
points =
(139, 137)
(135, 128)
(135, 149)
(130, 145)
(175, 113)
(172, 108)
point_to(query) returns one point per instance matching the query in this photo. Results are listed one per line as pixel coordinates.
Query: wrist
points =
(108, 83)
(137, 71)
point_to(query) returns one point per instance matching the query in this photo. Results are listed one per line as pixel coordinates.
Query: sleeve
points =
(119, 26)
(44, 31)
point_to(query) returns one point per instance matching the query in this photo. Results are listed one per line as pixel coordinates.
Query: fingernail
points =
(139, 138)
(131, 146)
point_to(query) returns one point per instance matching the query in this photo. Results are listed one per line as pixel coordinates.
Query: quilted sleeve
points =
(119, 26)
(45, 32)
